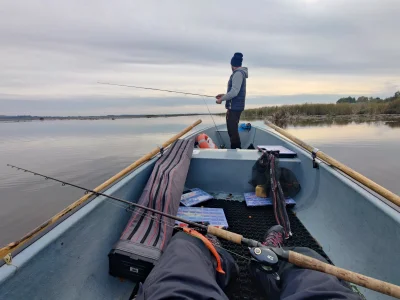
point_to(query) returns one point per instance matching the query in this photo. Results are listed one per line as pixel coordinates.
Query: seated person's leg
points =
(299, 283)
(229, 265)
(268, 283)
(187, 270)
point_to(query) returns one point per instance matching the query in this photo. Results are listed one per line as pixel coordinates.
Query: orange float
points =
(204, 141)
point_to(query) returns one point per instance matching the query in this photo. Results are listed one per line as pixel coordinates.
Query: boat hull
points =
(356, 229)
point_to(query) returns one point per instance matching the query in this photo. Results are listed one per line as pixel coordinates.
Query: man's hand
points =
(219, 98)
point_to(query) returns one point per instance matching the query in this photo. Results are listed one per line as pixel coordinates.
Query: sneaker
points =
(268, 282)
(274, 237)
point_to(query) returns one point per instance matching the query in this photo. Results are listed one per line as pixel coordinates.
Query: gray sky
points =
(53, 53)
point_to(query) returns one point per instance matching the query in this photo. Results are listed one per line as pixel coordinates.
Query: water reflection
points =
(89, 152)
(323, 122)
(84, 152)
(393, 124)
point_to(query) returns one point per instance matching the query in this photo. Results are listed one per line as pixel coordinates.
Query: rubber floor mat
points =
(253, 222)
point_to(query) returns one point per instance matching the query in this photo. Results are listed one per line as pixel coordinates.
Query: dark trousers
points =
(186, 270)
(232, 123)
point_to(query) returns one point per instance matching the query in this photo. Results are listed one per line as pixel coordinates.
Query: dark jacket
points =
(236, 92)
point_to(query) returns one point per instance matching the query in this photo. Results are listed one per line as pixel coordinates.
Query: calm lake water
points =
(89, 152)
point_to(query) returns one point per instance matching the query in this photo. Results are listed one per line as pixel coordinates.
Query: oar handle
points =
(361, 280)
(224, 234)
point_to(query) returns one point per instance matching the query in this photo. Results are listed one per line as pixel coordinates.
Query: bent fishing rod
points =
(175, 92)
(154, 89)
(266, 256)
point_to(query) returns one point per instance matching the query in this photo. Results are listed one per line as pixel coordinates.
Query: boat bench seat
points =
(218, 170)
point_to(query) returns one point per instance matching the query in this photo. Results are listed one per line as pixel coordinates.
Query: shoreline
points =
(392, 120)
(377, 117)
(16, 119)
(275, 118)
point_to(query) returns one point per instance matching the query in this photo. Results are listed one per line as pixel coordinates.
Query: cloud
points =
(59, 50)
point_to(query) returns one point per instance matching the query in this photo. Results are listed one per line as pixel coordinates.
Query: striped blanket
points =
(147, 233)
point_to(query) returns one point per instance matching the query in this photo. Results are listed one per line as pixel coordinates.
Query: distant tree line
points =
(363, 99)
(344, 106)
(112, 117)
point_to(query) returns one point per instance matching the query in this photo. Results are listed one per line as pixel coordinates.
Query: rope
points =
(279, 201)
(161, 150)
(8, 260)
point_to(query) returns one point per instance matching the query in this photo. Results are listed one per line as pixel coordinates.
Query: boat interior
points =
(342, 220)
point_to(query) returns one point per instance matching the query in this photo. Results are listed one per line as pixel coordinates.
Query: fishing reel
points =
(265, 260)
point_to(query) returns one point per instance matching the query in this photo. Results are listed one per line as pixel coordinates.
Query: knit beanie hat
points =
(237, 59)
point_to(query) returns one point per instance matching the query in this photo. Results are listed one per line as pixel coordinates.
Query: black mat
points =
(253, 222)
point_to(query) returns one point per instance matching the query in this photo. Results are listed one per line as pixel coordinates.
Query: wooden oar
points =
(13, 246)
(395, 199)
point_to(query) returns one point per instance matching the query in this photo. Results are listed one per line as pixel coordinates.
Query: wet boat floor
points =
(253, 222)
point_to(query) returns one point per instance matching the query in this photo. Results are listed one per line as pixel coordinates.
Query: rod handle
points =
(307, 262)
(224, 234)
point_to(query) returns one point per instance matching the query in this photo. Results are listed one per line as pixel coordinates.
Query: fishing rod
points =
(64, 183)
(268, 257)
(175, 92)
(154, 89)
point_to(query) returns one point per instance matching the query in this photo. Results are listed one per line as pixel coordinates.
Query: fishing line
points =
(131, 206)
(159, 220)
(175, 92)
(93, 192)
(216, 128)
(237, 254)
(154, 89)
(148, 216)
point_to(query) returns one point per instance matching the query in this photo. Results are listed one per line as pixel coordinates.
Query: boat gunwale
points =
(329, 167)
(338, 173)
(48, 229)
(56, 219)
(352, 183)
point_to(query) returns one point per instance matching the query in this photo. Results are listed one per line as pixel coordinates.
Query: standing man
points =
(235, 98)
